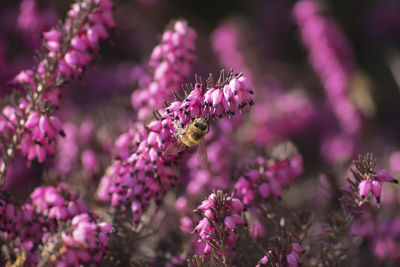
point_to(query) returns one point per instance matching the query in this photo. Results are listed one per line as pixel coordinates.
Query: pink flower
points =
(364, 187)
(50, 201)
(270, 180)
(383, 176)
(65, 58)
(293, 259)
(85, 242)
(218, 210)
(171, 61)
(374, 184)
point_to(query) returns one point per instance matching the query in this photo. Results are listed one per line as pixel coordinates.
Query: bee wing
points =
(201, 155)
(175, 148)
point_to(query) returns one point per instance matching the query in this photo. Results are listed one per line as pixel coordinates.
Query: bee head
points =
(200, 123)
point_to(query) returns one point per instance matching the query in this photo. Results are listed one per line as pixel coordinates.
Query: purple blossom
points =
(373, 184)
(69, 49)
(171, 61)
(85, 242)
(265, 179)
(221, 219)
(332, 58)
(60, 203)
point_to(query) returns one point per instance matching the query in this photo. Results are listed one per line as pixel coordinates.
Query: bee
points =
(193, 134)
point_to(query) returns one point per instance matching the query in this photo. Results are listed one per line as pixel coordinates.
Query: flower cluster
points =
(171, 61)
(220, 223)
(332, 58)
(267, 178)
(69, 49)
(48, 209)
(148, 171)
(373, 183)
(365, 179)
(60, 203)
(44, 130)
(23, 226)
(292, 259)
(83, 243)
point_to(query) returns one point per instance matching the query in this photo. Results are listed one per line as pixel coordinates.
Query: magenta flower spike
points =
(266, 178)
(218, 228)
(69, 47)
(332, 58)
(170, 61)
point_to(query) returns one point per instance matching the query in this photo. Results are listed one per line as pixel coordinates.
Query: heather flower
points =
(23, 226)
(373, 184)
(218, 228)
(60, 203)
(47, 209)
(84, 242)
(69, 49)
(332, 58)
(147, 171)
(171, 61)
(266, 178)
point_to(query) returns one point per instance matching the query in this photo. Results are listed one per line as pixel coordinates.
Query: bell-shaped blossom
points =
(60, 203)
(374, 185)
(70, 48)
(218, 210)
(266, 178)
(171, 61)
(332, 58)
(86, 241)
